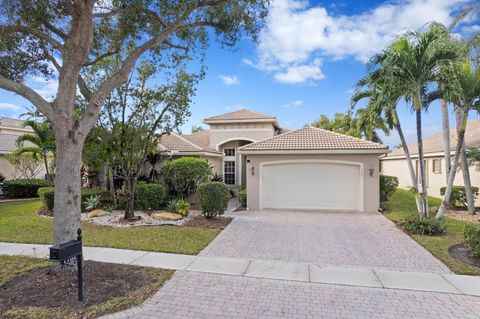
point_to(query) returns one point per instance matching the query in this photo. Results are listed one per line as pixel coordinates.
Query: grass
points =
(20, 223)
(402, 205)
(15, 265)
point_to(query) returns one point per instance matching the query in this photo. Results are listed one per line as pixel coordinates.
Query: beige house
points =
(395, 164)
(10, 130)
(304, 169)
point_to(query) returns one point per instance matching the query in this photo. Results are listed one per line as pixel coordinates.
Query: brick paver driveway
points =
(326, 238)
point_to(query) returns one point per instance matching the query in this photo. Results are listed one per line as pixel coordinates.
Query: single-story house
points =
(395, 163)
(10, 130)
(309, 168)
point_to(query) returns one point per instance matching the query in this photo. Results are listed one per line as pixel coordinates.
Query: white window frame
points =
(439, 168)
(230, 159)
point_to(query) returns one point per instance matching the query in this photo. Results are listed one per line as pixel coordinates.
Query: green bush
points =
(23, 188)
(105, 197)
(149, 195)
(182, 207)
(472, 238)
(186, 173)
(41, 193)
(458, 196)
(388, 186)
(242, 197)
(426, 226)
(213, 197)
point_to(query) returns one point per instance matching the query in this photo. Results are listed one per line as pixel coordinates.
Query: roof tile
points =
(241, 115)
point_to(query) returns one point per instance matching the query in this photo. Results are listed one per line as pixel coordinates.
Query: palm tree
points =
(369, 122)
(413, 61)
(384, 96)
(466, 96)
(43, 143)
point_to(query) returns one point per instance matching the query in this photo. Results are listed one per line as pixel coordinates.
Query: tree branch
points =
(5, 29)
(84, 90)
(131, 10)
(29, 94)
(101, 57)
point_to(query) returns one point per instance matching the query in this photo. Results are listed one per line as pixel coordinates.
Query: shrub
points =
(2, 178)
(149, 195)
(472, 238)
(23, 188)
(213, 197)
(426, 226)
(388, 186)
(92, 202)
(105, 196)
(182, 207)
(216, 178)
(172, 205)
(242, 197)
(41, 193)
(186, 173)
(458, 196)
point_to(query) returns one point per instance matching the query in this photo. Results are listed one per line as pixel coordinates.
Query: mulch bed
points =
(462, 253)
(216, 223)
(45, 212)
(44, 288)
(460, 213)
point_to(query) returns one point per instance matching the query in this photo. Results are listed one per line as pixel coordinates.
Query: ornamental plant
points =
(213, 197)
(186, 173)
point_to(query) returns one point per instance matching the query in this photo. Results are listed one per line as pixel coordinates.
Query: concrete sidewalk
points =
(291, 271)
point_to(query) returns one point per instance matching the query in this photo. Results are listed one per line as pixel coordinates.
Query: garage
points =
(313, 169)
(311, 185)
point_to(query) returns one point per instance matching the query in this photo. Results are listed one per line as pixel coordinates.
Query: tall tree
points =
(414, 61)
(446, 137)
(43, 141)
(466, 96)
(65, 39)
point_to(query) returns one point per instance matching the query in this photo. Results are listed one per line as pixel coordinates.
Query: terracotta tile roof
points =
(434, 143)
(176, 142)
(8, 122)
(309, 138)
(240, 115)
(201, 138)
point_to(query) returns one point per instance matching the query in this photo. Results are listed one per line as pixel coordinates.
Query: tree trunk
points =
(413, 176)
(45, 162)
(465, 169)
(446, 138)
(67, 189)
(421, 163)
(111, 186)
(453, 170)
(130, 185)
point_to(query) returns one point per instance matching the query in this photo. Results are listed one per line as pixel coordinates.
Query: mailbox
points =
(66, 250)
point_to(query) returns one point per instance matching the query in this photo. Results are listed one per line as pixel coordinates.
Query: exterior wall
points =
(371, 183)
(10, 172)
(221, 133)
(399, 168)
(215, 162)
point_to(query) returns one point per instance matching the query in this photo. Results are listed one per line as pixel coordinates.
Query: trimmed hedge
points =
(213, 197)
(41, 193)
(242, 197)
(459, 196)
(184, 174)
(388, 186)
(472, 238)
(106, 197)
(149, 195)
(23, 188)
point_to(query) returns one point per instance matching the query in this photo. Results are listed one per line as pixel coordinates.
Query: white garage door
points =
(311, 185)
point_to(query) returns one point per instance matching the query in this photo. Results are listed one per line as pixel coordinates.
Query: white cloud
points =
(293, 105)
(234, 108)
(300, 73)
(9, 107)
(46, 89)
(297, 33)
(229, 79)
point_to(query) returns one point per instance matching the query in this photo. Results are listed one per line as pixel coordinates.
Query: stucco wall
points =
(399, 168)
(215, 162)
(10, 172)
(221, 133)
(371, 184)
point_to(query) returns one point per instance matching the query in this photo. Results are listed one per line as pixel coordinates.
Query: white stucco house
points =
(395, 163)
(308, 168)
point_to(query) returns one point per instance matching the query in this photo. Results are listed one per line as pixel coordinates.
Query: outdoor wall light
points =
(252, 170)
(370, 170)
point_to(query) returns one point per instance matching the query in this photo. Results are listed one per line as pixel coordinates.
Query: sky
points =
(305, 63)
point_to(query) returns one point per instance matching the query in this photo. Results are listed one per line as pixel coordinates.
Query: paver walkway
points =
(339, 239)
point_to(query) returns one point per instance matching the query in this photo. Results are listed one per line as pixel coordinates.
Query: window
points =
(229, 172)
(436, 166)
(229, 152)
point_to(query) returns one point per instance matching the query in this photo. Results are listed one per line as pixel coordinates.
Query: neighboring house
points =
(395, 164)
(308, 168)
(10, 130)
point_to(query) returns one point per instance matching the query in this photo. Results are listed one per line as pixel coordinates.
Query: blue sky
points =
(306, 63)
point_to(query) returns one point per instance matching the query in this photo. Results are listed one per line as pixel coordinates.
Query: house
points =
(10, 130)
(395, 164)
(309, 168)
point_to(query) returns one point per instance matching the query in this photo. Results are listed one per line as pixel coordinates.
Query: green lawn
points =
(402, 205)
(20, 223)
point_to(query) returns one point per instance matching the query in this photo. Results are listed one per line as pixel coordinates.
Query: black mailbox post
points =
(68, 252)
